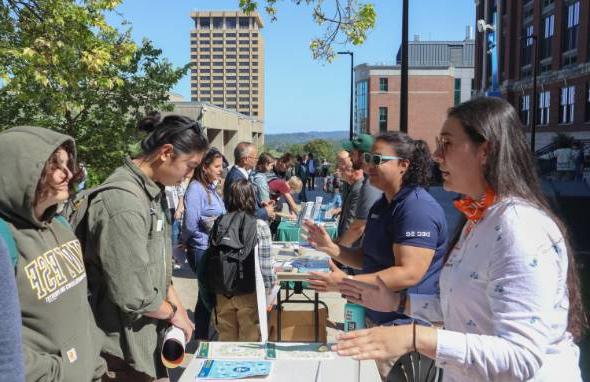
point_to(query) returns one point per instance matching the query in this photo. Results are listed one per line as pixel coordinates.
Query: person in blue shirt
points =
(406, 231)
(202, 206)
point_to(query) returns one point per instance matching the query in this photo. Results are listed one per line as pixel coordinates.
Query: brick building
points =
(561, 28)
(440, 76)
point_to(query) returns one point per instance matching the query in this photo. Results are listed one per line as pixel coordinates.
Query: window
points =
(205, 78)
(217, 85)
(217, 78)
(254, 91)
(218, 92)
(544, 104)
(230, 78)
(244, 22)
(232, 99)
(525, 104)
(383, 84)
(244, 49)
(205, 22)
(566, 109)
(204, 42)
(205, 57)
(205, 63)
(255, 57)
(218, 56)
(549, 30)
(230, 35)
(217, 42)
(202, 70)
(254, 70)
(218, 49)
(457, 91)
(382, 119)
(361, 111)
(244, 63)
(246, 78)
(231, 70)
(254, 34)
(244, 99)
(254, 78)
(230, 22)
(232, 91)
(217, 70)
(207, 99)
(230, 49)
(231, 56)
(206, 85)
(571, 26)
(244, 34)
(204, 34)
(244, 42)
(587, 102)
(205, 91)
(217, 35)
(230, 42)
(218, 23)
(527, 49)
(244, 56)
(218, 63)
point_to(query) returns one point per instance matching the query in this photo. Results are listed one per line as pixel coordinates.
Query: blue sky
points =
(300, 94)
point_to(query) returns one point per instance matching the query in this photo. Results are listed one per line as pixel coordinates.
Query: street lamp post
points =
(351, 88)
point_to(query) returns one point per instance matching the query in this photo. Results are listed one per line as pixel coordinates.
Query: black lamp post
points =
(403, 105)
(351, 88)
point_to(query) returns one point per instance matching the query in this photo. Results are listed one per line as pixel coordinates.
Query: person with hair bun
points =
(130, 251)
(406, 232)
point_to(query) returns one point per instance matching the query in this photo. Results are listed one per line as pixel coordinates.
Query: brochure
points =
(225, 370)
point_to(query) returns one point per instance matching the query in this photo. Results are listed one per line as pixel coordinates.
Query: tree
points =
(350, 22)
(321, 149)
(63, 67)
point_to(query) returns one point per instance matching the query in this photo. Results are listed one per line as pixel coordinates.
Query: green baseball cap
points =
(362, 143)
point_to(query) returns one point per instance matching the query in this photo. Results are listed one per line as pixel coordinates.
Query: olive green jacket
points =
(129, 243)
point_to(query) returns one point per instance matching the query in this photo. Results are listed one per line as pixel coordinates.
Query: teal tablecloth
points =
(289, 231)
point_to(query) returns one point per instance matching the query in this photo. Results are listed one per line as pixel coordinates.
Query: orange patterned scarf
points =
(474, 209)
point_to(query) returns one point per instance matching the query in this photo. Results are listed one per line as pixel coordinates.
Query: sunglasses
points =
(377, 159)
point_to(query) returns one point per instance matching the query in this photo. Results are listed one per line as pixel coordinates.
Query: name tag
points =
(159, 225)
(72, 355)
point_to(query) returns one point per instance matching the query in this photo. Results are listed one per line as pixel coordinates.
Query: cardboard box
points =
(297, 325)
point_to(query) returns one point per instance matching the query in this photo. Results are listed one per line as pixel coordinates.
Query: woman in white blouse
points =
(509, 292)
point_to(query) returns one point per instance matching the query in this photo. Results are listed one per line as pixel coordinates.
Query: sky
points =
(301, 94)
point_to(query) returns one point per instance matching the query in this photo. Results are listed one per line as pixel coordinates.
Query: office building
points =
(227, 54)
(440, 76)
(559, 31)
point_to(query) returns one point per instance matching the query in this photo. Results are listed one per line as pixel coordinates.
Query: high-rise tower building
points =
(227, 53)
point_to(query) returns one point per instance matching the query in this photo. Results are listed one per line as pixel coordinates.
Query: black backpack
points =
(229, 260)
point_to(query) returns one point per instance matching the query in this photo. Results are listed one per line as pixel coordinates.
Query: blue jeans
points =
(202, 315)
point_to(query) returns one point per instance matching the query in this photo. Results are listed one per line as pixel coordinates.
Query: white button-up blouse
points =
(504, 301)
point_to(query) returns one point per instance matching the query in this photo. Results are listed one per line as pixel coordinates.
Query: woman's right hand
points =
(318, 237)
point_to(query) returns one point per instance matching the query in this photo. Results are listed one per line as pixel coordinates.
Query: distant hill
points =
(278, 141)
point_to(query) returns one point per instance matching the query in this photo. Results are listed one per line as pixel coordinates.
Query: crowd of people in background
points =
(93, 291)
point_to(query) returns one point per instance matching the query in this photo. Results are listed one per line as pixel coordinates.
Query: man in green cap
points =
(368, 194)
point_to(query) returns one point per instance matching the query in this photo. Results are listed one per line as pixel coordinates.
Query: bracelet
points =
(174, 309)
(403, 295)
(414, 336)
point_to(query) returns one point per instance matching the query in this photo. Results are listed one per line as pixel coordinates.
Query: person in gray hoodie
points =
(60, 339)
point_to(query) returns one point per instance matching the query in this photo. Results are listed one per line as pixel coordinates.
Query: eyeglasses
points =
(441, 145)
(377, 159)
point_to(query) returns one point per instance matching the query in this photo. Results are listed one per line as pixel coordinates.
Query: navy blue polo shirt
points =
(412, 218)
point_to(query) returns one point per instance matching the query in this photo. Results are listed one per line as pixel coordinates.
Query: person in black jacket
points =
(246, 155)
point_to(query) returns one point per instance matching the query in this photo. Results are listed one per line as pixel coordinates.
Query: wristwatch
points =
(174, 309)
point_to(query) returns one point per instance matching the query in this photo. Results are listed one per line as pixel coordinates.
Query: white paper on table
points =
(260, 298)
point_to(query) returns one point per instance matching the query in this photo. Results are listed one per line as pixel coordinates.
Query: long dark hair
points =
(264, 159)
(201, 176)
(416, 151)
(242, 197)
(510, 170)
(184, 134)
(44, 187)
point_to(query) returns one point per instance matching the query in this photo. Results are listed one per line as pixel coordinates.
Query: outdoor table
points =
(289, 230)
(339, 369)
(297, 278)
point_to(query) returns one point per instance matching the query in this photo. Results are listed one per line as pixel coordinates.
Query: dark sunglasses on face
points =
(377, 159)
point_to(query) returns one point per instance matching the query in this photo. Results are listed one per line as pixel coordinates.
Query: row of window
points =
(226, 42)
(226, 56)
(223, 22)
(229, 70)
(228, 78)
(221, 49)
(226, 35)
(226, 63)
(228, 85)
(567, 106)
(253, 93)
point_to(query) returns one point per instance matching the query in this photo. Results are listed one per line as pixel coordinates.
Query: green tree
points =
(63, 67)
(350, 22)
(321, 149)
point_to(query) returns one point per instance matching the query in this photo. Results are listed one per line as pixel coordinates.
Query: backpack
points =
(229, 260)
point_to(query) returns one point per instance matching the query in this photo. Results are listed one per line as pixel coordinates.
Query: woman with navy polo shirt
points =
(406, 232)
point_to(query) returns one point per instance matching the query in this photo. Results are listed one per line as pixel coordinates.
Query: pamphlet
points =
(224, 370)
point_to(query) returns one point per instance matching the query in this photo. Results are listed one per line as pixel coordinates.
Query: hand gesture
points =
(377, 297)
(326, 281)
(317, 236)
(379, 343)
